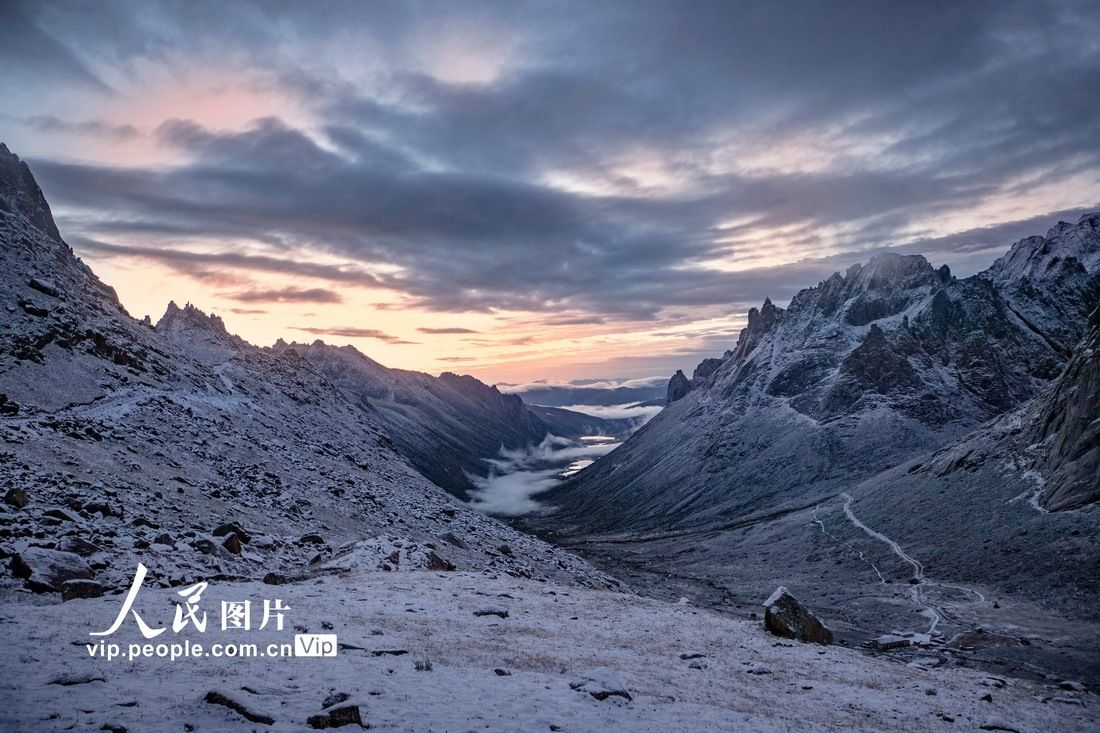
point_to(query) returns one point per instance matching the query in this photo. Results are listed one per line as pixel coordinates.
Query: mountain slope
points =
(447, 426)
(859, 373)
(890, 445)
(186, 449)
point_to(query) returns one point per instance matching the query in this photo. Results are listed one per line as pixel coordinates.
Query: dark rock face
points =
(704, 369)
(785, 616)
(45, 571)
(678, 388)
(760, 322)
(20, 192)
(1068, 429)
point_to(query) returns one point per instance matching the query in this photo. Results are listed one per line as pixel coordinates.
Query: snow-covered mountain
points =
(448, 426)
(184, 447)
(891, 426)
(857, 374)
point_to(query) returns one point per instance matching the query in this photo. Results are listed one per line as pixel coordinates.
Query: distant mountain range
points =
(564, 395)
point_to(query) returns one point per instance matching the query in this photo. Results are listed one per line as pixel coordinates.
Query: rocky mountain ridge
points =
(448, 426)
(912, 451)
(866, 369)
(182, 447)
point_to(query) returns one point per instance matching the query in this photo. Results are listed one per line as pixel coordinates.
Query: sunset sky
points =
(548, 189)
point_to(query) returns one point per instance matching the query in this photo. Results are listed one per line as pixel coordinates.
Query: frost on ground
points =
(536, 670)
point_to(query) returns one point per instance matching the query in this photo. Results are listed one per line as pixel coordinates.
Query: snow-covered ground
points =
(737, 676)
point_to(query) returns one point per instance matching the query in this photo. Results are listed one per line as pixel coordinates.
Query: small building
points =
(891, 641)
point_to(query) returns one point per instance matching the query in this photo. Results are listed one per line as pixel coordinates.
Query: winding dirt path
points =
(935, 614)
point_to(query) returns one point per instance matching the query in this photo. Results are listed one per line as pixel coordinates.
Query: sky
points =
(541, 190)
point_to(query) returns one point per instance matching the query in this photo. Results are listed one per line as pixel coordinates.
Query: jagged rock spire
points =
(20, 194)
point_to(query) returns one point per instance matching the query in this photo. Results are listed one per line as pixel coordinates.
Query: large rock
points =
(17, 498)
(678, 387)
(785, 616)
(337, 716)
(601, 683)
(72, 589)
(79, 546)
(46, 570)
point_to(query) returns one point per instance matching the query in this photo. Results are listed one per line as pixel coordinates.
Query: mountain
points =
(213, 462)
(857, 374)
(590, 394)
(447, 426)
(1066, 430)
(185, 448)
(895, 442)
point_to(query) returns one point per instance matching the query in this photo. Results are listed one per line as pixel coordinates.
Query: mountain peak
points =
(890, 270)
(20, 194)
(190, 316)
(204, 337)
(1039, 257)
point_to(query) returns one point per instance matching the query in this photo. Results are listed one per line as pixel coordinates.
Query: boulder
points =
(79, 546)
(214, 697)
(492, 611)
(335, 699)
(785, 616)
(232, 543)
(46, 571)
(72, 589)
(44, 286)
(601, 683)
(59, 514)
(337, 716)
(16, 498)
(232, 528)
(450, 538)
(435, 562)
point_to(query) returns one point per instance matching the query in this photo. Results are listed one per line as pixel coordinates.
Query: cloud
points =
(352, 332)
(198, 263)
(25, 45)
(247, 311)
(519, 475)
(445, 330)
(639, 413)
(285, 295)
(94, 128)
(595, 164)
(635, 382)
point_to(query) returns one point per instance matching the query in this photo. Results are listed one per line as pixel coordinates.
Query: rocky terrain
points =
(891, 426)
(433, 651)
(184, 447)
(269, 474)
